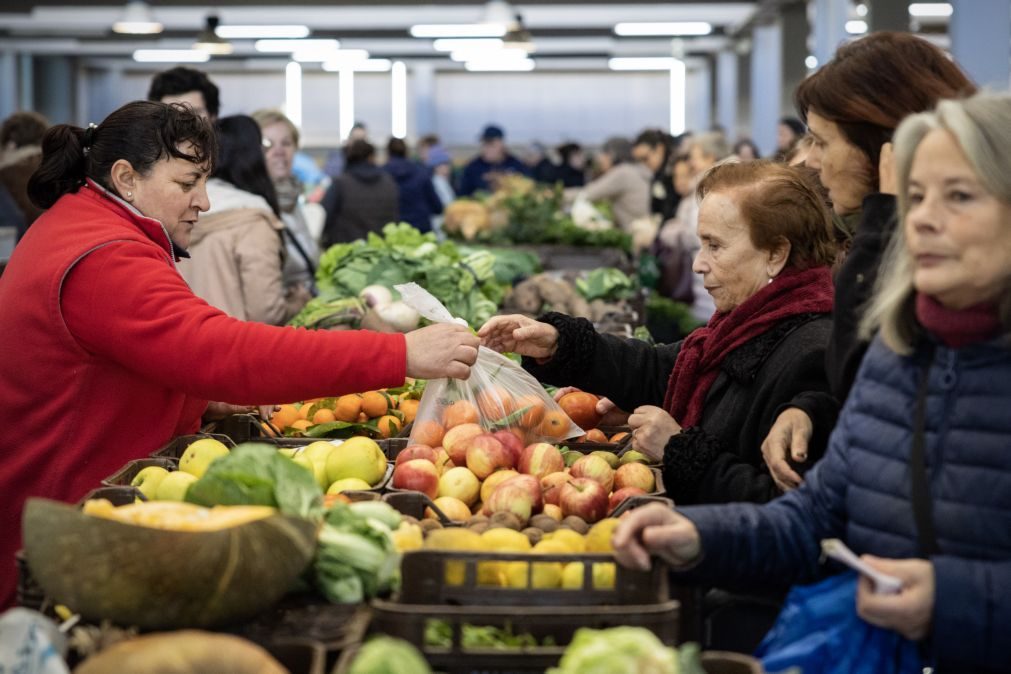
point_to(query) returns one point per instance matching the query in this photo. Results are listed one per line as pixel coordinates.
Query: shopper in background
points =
(655, 148)
(851, 123)
(493, 161)
(189, 86)
(20, 154)
(917, 475)
(623, 183)
(571, 170)
(360, 200)
(746, 150)
(788, 132)
(236, 247)
(701, 405)
(334, 164)
(440, 164)
(106, 353)
(280, 142)
(418, 200)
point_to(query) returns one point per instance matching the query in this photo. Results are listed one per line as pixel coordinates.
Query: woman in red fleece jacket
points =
(105, 352)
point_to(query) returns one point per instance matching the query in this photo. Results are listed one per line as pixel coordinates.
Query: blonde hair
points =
(269, 116)
(981, 125)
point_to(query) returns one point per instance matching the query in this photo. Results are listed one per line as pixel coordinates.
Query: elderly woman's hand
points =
(652, 430)
(610, 414)
(655, 530)
(519, 334)
(910, 611)
(789, 435)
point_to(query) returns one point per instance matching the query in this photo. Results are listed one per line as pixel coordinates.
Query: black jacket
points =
(359, 201)
(720, 460)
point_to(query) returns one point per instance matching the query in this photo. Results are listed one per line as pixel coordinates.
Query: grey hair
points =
(619, 149)
(981, 125)
(713, 144)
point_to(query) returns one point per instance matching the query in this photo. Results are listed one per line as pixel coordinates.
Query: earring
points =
(129, 195)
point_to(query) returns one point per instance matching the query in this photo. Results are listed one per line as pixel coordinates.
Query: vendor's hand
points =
(791, 433)
(441, 350)
(521, 335)
(658, 530)
(216, 411)
(652, 429)
(910, 611)
(887, 183)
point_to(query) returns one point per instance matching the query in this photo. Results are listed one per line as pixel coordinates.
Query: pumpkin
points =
(185, 652)
(157, 578)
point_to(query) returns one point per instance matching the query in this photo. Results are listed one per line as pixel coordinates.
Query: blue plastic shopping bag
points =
(819, 632)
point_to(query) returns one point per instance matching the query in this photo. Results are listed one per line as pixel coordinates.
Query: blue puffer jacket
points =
(860, 492)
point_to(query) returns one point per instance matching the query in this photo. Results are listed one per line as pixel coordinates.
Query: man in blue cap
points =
(494, 159)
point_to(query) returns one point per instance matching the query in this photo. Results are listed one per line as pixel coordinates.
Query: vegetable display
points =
(356, 558)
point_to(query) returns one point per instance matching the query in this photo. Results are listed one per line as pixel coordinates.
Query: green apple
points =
(174, 486)
(200, 454)
(348, 484)
(357, 457)
(148, 479)
(610, 457)
(634, 456)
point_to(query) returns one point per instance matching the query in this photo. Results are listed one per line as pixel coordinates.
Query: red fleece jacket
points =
(106, 354)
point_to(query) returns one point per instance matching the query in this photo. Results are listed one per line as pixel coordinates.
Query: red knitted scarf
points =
(703, 351)
(957, 327)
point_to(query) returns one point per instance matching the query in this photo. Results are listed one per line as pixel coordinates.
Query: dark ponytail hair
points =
(240, 159)
(141, 132)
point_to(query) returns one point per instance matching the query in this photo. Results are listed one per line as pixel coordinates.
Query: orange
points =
(388, 425)
(555, 425)
(303, 410)
(285, 416)
(410, 409)
(535, 414)
(375, 404)
(301, 424)
(618, 437)
(323, 416)
(459, 412)
(348, 407)
(495, 403)
(428, 433)
(595, 435)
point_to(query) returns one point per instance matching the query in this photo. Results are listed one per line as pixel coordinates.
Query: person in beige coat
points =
(236, 250)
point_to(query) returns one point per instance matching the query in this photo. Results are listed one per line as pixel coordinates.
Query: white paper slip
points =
(883, 583)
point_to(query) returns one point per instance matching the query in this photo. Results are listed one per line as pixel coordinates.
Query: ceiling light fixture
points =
(291, 46)
(660, 29)
(171, 56)
(209, 41)
(137, 20)
(517, 36)
(237, 32)
(436, 30)
(856, 27)
(930, 9)
(642, 63)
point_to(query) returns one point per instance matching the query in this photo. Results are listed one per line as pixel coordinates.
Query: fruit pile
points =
(358, 463)
(160, 484)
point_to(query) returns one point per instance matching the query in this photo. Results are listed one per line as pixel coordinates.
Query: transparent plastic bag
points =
(499, 396)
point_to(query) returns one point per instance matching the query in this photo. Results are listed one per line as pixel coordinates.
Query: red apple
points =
(594, 468)
(551, 486)
(620, 495)
(512, 442)
(634, 475)
(457, 439)
(541, 459)
(520, 495)
(494, 480)
(485, 455)
(461, 484)
(417, 452)
(583, 498)
(417, 475)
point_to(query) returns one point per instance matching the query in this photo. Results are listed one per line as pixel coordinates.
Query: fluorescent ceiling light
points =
(506, 65)
(434, 30)
(861, 10)
(398, 126)
(930, 9)
(450, 44)
(329, 55)
(642, 63)
(856, 27)
(488, 55)
(262, 32)
(137, 20)
(677, 97)
(171, 56)
(345, 103)
(661, 28)
(362, 66)
(291, 46)
(293, 93)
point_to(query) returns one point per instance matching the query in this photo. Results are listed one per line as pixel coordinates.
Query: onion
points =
(399, 316)
(376, 296)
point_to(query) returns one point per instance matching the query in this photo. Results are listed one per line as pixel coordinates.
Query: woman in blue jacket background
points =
(943, 315)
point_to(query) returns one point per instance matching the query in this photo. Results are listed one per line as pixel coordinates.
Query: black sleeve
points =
(854, 286)
(332, 202)
(628, 371)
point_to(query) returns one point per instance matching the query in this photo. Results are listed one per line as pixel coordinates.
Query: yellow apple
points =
(357, 457)
(174, 486)
(148, 479)
(199, 455)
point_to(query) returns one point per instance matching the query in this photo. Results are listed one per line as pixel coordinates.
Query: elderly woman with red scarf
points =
(703, 405)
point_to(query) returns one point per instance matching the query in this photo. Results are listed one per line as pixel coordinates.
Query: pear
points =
(634, 456)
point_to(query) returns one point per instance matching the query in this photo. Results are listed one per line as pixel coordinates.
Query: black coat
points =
(720, 460)
(361, 200)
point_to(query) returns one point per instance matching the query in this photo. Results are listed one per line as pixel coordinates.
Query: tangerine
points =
(459, 412)
(555, 425)
(388, 425)
(375, 404)
(495, 403)
(285, 416)
(618, 437)
(301, 424)
(534, 413)
(323, 416)
(410, 409)
(581, 408)
(595, 435)
(348, 407)
(428, 433)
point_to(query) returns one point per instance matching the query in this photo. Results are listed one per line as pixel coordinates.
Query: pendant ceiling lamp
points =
(137, 20)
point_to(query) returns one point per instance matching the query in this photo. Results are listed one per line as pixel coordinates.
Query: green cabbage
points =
(619, 650)
(386, 655)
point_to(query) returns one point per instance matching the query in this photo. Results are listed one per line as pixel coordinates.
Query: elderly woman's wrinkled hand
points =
(790, 435)
(911, 610)
(655, 530)
(519, 334)
(652, 430)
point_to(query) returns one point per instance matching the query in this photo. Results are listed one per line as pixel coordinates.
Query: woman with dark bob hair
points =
(852, 106)
(106, 353)
(917, 477)
(701, 404)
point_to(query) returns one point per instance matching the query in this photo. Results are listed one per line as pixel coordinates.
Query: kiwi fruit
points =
(577, 524)
(507, 520)
(545, 523)
(533, 534)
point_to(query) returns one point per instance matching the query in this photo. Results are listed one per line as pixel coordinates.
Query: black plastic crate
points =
(124, 476)
(176, 446)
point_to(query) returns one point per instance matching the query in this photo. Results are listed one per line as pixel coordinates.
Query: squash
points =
(156, 578)
(185, 652)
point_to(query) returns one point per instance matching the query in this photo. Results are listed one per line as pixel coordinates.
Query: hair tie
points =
(89, 136)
